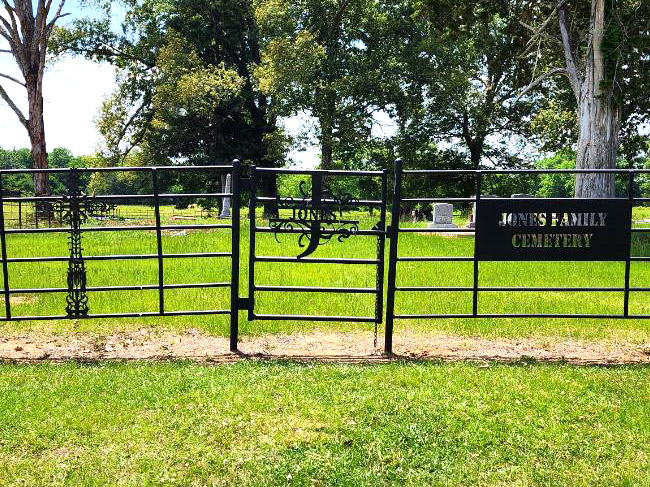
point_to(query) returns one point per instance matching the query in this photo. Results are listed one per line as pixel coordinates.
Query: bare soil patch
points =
(150, 344)
(18, 299)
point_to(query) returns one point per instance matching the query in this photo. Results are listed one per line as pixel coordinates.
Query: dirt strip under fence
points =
(151, 344)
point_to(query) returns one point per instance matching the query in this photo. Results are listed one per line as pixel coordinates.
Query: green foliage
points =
(329, 59)
(186, 91)
(555, 127)
(557, 185)
(626, 53)
(462, 75)
(120, 182)
(22, 159)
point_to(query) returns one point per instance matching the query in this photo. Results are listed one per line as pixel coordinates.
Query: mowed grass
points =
(197, 270)
(271, 424)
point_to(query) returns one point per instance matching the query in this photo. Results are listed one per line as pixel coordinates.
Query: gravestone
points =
(472, 217)
(443, 214)
(225, 213)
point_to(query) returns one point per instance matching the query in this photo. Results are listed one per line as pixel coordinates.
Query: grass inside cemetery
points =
(269, 424)
(185, 271)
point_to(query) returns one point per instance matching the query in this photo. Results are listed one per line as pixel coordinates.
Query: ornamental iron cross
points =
(75, 208)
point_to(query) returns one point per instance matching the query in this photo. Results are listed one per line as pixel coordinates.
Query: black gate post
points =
(392, 257)
(475, 287)
(5, 266)
(381, 252)
(252, 213)
(235, 248)
(628, 262)
(159, 244)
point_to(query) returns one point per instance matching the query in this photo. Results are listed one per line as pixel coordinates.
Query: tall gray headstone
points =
(443, 214)
(472, 218)
(227, 201)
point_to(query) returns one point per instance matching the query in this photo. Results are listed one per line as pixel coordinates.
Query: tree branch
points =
(57, 16)
(336, 20)
(12, 105)
(539, 80)
(569, 54)
(538, 30)
(11, 11)
(11, 78)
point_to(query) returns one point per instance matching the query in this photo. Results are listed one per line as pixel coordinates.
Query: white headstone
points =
(225, 213)
(443, 215)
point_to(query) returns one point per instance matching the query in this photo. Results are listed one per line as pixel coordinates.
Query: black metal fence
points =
(74, 208)
(393, 290)
(318, 215)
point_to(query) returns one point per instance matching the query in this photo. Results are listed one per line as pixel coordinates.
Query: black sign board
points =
(553, 229)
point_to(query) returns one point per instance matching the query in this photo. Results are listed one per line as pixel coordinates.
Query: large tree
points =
(329, 58)
(26, 26)
(461, 78)
(602, 47)
(186, 90)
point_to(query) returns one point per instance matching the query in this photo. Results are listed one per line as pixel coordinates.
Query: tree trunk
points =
(327, 129)
(475, 152)
(597, 146)
(36, 129)
(598, 113)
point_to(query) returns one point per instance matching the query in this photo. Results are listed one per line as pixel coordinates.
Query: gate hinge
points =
(243, 303)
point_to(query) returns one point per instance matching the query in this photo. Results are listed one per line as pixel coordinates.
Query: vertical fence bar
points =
(392, 257)
(161, 277)
(20, 214)
(381, 251)
(628, 262)
(5, 265)
(251, 251)
(476, 262)
(235, 204)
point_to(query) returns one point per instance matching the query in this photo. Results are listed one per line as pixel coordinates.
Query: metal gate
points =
(75, 214)
(317, 215)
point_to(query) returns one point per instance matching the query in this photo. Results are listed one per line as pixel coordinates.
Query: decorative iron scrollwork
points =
(75, 211)
(317, 216)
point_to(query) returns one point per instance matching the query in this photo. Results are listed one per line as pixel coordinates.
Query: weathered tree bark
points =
(36, 130)
(598, 115)
(27, 31)
(327, 129)
(597, 145)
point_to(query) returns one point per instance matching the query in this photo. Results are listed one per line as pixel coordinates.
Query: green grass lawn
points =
(184, 271)
(262, 424)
